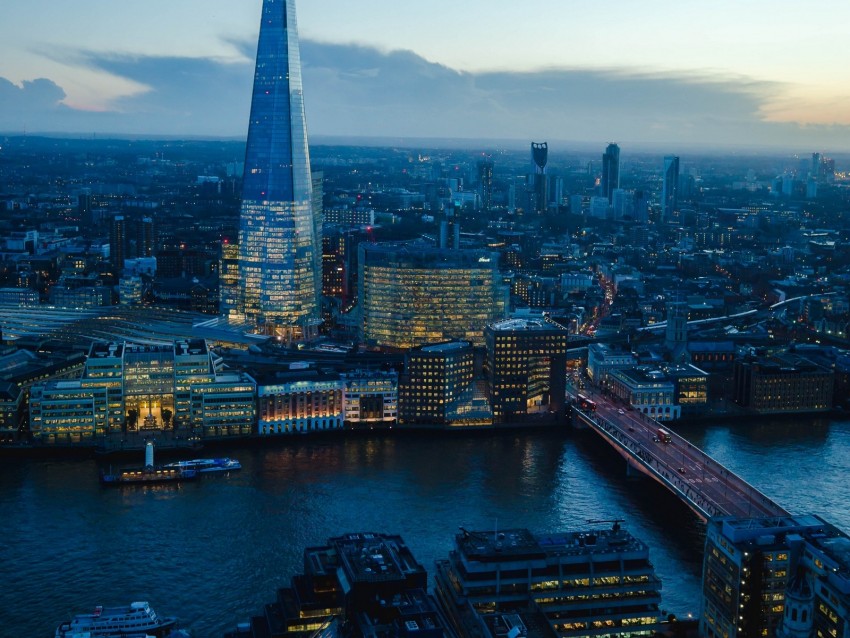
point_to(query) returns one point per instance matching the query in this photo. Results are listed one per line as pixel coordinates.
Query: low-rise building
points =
(648, 390)
(300, 405)
(582, 584)
(129, 387)
(370, 582)
(370, 398)
(783, 383)
(603, 359)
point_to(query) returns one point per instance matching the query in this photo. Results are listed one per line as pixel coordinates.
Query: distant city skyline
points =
(752, 74)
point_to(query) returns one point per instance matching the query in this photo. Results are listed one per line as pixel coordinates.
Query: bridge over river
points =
(706, 486)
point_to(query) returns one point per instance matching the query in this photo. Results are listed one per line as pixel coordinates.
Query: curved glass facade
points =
(414, 294)
(279, 234)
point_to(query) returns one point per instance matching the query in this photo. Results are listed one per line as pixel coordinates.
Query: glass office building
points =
(279, 234)
(412, 294)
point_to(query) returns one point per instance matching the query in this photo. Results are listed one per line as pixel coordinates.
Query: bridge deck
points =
(705, 485)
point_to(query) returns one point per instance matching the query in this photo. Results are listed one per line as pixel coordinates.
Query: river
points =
(213, 552)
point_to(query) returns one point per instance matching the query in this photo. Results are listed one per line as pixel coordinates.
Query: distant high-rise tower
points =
(279, 234)
(485, 183)
(670, 190)
(118, 243)
(84, 207)
(145, 237)
(610, 171)
(540, 195)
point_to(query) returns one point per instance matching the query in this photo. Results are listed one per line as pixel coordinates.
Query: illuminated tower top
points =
(277, 160)
(280, 232)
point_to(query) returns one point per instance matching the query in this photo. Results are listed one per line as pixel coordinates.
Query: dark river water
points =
(213, 552)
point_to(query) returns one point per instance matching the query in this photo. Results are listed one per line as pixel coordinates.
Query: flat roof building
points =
(591, 583)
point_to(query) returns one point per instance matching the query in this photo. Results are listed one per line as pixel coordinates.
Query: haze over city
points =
(754, 74)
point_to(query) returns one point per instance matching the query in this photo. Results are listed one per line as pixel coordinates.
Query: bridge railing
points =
(702, 504)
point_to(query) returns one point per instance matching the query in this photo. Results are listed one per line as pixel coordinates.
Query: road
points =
(710, 486)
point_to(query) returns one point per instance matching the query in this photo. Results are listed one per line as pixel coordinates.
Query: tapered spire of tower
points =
(279, 235)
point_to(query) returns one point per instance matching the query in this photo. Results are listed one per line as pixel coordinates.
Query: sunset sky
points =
(660, 71)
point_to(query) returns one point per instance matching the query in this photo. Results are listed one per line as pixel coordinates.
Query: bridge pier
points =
(632, 471)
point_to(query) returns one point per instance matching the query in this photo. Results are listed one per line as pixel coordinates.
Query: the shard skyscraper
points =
(279, 235)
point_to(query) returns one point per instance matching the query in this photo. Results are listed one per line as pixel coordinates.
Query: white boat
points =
(135, 619)
(207, 465)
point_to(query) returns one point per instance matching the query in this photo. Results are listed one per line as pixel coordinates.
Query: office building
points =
(298, 405)
(670, 190)
(436, 378)
(540, 184)
(647, 390)
(279, 233)
(370, 397)
(610, 172)
(603, 359)
(228, 279)
(369, 582)
(412, 294)
(526, 365)
(130, 387)
(787, 577)
(782, 383)
(576, 584)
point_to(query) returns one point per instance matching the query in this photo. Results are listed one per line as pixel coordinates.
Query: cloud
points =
(29, 103)
(353, 90)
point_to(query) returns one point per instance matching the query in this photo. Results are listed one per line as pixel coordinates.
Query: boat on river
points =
(206, 465)
(135, 619)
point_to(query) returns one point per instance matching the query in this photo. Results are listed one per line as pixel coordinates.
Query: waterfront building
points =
(610, 172)
(670, 190)
(279, 232)
(129, 387)
(581, 584)
(299, 405)
(412, 294)
(603, 359)
(11, 411)
(370, 397)
(787, 577)
(783, 383)
(526, 369)
(690, 388)
(647, 390)
(371, 582)
(436, 379)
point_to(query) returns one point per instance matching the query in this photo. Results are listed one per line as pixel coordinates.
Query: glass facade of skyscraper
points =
(413, 294)
(279, 234)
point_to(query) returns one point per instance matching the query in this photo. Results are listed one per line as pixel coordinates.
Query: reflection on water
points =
(214, 551)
